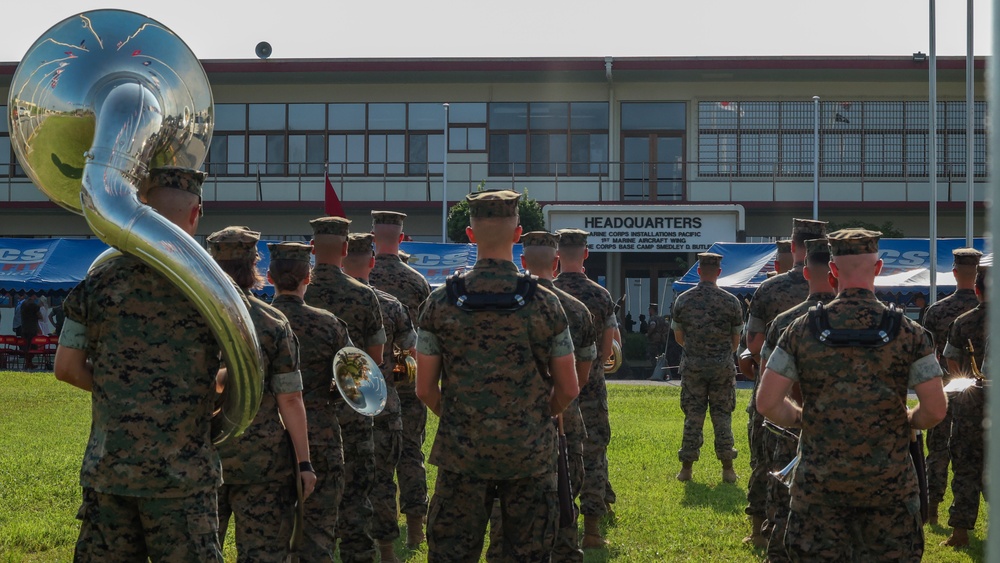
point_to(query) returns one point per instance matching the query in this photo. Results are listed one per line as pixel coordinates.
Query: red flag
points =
(333, 206)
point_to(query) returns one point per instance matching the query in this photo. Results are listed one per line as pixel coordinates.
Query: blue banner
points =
(46, 264)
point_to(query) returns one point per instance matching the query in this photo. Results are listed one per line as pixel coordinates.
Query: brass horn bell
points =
(97, 101)
(613, 362)
(359, 381)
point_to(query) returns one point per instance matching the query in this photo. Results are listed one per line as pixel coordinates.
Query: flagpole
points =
(815, 158)
(444, 180)
(932, 156)
(970, 132)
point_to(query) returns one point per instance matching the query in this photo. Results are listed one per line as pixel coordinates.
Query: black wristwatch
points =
(306, 466)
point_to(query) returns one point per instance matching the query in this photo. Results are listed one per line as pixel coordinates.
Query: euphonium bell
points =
(96, 102)
(784, 475)
(359, 381)
(614, 361)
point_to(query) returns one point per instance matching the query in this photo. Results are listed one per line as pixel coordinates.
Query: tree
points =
(530, 212)
(887, 229)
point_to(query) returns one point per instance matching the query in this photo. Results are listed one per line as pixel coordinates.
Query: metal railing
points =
(677, 182)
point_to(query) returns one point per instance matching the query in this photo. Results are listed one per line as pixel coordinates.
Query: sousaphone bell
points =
(359, 381)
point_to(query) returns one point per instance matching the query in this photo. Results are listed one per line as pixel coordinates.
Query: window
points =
(546, 138)
(6, 156)
(867, 139)
(467, 127)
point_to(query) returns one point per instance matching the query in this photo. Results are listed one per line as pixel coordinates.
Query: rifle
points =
(567, 508)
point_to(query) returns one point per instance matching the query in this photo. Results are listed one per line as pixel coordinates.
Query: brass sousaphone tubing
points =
(97, 101)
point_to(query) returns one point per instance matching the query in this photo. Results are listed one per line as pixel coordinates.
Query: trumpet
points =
(359, 381)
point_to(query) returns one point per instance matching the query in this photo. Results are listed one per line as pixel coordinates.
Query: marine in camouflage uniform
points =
(388, 426)
(967, 447)
(357, 305)
(707, 322)
(258, 476)
(848, 504)
(597, 494)
(502, 374)
(937, 319)
(392, 275)
(321, 335)
(150, 471)
(539, 258)
(774, 296)
(656, 334)
(781, 449)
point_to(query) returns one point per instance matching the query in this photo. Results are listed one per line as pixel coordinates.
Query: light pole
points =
(815, 158)
(444, 180)
(932, 156)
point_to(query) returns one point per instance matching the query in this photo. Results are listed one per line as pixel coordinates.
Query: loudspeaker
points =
(263, 50)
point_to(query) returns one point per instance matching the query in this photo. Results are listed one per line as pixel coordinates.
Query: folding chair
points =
(42, 351)
(11, 355)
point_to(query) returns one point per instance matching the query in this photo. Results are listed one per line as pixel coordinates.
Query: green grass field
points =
(44, 426)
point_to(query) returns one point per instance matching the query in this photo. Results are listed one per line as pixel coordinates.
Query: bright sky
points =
(533, 28)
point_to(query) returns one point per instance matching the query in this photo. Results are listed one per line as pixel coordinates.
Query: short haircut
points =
(818, 259)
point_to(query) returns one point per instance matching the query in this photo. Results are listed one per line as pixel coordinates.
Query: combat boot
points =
(685, 474)
(592, 533)
(728, 473)
(959, 538)
(414, 531)
(387, 552)
(756, 537)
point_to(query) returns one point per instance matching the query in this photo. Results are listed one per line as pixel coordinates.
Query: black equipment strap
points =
(479, 302)
(875, 337)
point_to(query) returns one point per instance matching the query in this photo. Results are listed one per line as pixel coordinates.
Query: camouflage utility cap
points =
(186, 179)
(540, 238)
(493, 203)
(572, 237)
(360, 243)
(387, 218)
(233, 243)
(854, 241)
(817, 247)
(784, 246)
(331, 226)
(709, 259)
(290, 251)
(808, 227)
(966, 256)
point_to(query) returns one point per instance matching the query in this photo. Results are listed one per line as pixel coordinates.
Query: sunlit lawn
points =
(44, 427)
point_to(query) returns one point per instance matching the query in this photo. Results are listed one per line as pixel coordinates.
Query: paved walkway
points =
(672, 383)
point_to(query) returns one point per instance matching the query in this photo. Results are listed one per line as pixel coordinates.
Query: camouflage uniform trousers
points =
(121, 528)
(759, 465)
(829, 533)
(968, 450)
(461, 507)
(319, 539)
(596, 490)
(354, 525)
(705, 386)
(410, 470)
(263, 514)
(567, 546)
(782, 452)
(938, 458)
(388, 436)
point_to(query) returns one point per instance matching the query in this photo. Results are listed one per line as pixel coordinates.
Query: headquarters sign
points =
(649, 228)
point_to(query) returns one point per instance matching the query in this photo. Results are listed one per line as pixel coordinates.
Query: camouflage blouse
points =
(602, 311)
(581, 329)
(939, 316)
(968, 327)
(263, 453)
(709, 317)
(352, 301)
(154, 364)
(399, 333)
(321, 335)
(401, 281)
(774, 296)
(854, 446)
(495, 387)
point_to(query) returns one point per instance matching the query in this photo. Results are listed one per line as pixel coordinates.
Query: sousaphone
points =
(97, 101)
